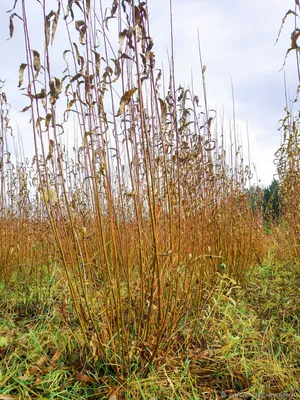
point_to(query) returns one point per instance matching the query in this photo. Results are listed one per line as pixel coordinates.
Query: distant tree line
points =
(268, 199)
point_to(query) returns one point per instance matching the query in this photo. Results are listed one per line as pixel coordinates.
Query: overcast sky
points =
(237, 41)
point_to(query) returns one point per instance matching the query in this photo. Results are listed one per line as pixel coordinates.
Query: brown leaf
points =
(54, 23)
(33, 370)
(97, 62)
(81, 28)
(201, 372)
(163, 108)
(55, 358)
(11, 24)
(21, 73)
(84, 378)
(125, 100)
(122, 36)
(36, 62)
(48, 24)
(114, 8)
(41, 361)
(283, 22)
(26, 108)
(114, 394)
(38, 381)
(25, 378)
(7, 397)
(36, 368)
(51, 148)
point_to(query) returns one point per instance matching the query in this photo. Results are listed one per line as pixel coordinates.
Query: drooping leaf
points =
(122, 36)
(70, 10)
(36, 62)
(283, 22)
(163, 108)
(71, 102)
(294, 45)
(21, 73)
(76, 77)
(125, 99)
(48, 25)
(114, 8)
(48, 119)
(54, 23)
(97, 62)
(26, 108)
(117, 70)
(81, 28)
(80, 59)
(38, 121)
(55, 89)
(294, 37)
(11, 24)
(64, 56)
(39, 96)
(50, 151)
(137, 15)
(126, 57)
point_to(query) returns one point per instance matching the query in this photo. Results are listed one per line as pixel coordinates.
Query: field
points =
(247, 345)
(137, 261)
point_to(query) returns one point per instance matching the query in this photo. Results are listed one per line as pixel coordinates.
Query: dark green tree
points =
(271, 203)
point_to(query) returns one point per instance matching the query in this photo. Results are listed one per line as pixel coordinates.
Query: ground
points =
(247, 345)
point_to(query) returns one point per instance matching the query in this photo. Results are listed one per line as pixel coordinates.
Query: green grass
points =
(247, 345)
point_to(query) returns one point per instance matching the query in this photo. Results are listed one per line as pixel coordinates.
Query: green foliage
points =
(271, 203)
(266, 200)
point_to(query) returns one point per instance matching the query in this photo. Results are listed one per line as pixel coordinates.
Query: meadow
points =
(135, 260)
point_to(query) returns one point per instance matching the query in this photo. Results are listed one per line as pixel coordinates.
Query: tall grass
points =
(288, 163)
(149, 204)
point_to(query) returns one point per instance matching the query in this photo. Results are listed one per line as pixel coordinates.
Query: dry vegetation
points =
(127, 247)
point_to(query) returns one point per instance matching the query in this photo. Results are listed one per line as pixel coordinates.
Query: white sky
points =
(237, 40)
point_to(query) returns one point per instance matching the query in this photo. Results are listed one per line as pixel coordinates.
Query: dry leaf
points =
(84, 378)
(163, 108)
(38, 381)
(36, 367)
(114, 394)
(125, 100)
(36, 62)
(41, 361)
(54, 23)
(11, 24)
(55, 357)
(25, 378)
(21, 73)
